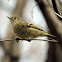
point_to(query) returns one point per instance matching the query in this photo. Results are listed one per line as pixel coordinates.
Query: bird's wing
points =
(35, 27)
(28, 25)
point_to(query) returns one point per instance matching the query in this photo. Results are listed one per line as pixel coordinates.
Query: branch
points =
(27, 40)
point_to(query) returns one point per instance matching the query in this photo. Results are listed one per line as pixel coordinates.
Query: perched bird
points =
(25, 30)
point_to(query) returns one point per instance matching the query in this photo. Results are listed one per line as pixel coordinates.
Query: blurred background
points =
(46, 14)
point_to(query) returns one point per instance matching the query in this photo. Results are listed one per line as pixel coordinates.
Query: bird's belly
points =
(22, 32)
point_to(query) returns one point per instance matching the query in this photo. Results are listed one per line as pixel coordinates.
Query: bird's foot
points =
(17, 39)
(28, 39)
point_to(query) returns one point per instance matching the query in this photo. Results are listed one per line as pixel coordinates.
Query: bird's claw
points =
(17, 39)
(28, 40)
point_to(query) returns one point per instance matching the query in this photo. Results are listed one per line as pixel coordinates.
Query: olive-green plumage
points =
(26, 30)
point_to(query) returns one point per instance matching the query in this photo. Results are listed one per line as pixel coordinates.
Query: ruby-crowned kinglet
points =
(26, 30)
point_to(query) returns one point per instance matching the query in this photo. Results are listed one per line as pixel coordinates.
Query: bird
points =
(25, 30)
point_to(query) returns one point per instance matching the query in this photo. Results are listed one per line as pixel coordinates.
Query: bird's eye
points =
(14, 18)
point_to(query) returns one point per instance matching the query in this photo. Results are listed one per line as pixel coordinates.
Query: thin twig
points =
(56, 9)
(51, 7)
(55, 6)
(58, 15)
(30, 39)
(32, 10)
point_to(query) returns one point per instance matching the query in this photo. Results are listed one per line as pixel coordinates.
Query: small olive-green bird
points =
(26, 30)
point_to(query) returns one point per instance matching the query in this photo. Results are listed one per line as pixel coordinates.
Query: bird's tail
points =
(50, 36)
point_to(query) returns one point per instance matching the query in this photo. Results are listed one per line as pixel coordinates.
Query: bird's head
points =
(12, 18)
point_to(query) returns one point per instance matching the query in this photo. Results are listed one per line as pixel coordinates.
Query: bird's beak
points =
(9, 17)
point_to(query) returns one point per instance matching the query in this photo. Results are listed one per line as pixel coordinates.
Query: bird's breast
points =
(21, 31)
